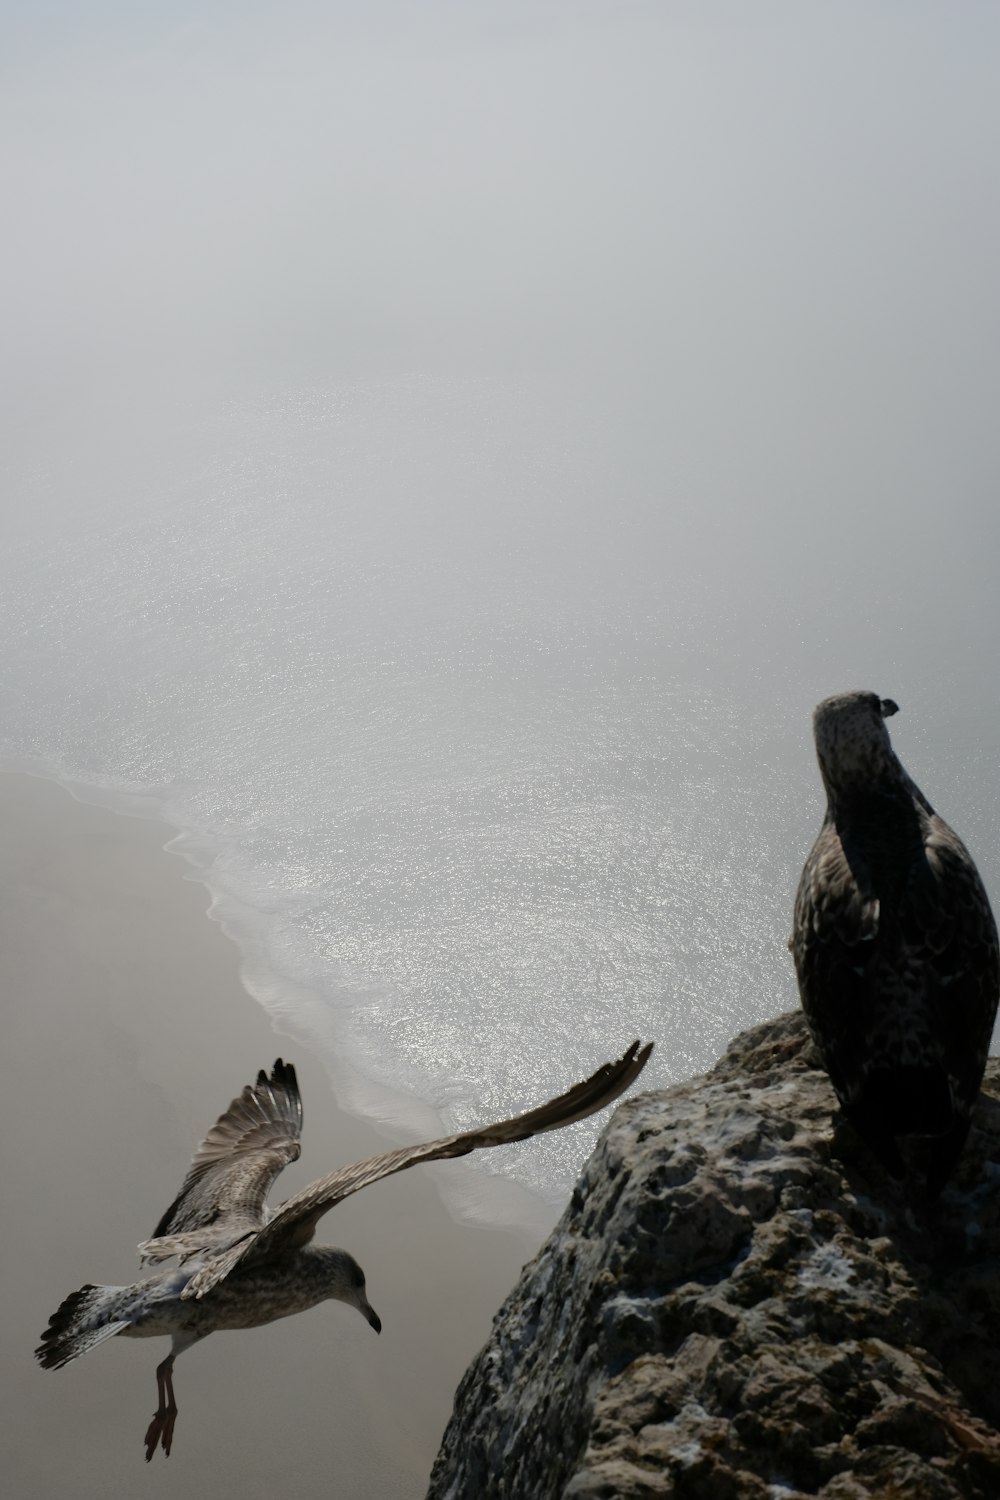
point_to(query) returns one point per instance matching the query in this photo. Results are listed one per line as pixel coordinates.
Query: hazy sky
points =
(786, 196)
(753, 245)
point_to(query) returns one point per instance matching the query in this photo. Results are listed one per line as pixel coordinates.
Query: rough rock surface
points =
(739, 1305)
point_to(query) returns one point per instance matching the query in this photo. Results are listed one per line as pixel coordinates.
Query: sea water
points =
(489, 737)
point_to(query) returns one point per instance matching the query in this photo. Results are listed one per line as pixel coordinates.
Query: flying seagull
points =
(895, 949)
(241, 1264)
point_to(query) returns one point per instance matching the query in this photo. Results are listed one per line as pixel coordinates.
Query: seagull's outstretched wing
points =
(222, 1197)
(294, 1223)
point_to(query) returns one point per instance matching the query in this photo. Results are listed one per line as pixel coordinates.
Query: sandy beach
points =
(126, 1030)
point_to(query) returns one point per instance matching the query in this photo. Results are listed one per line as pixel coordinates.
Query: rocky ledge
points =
(738, 1305)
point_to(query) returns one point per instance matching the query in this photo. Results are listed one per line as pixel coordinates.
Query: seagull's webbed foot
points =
(160, 1432)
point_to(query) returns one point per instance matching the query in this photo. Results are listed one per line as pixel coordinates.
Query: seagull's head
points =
(345, 1281)
(852, 741)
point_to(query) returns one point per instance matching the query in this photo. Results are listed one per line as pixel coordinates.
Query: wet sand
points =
(125, 1031)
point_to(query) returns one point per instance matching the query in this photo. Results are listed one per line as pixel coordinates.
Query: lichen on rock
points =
(738, 1304)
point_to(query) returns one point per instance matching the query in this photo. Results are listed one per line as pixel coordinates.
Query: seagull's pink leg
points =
(161, 1428)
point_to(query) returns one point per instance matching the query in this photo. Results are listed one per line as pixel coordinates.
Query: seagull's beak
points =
(888, 708)
(366, 1310)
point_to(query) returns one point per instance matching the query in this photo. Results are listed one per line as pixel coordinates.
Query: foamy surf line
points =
(314, 1018)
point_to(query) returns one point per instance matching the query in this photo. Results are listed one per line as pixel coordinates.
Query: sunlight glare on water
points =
(472, 806)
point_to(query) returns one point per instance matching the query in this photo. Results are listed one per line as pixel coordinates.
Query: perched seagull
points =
(240, 1263)
(895, 949)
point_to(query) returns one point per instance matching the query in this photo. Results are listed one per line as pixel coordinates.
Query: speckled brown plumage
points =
(240, 1264)
(232, 1170)
(895, 949)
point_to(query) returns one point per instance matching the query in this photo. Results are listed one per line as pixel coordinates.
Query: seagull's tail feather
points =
(86, 1318)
